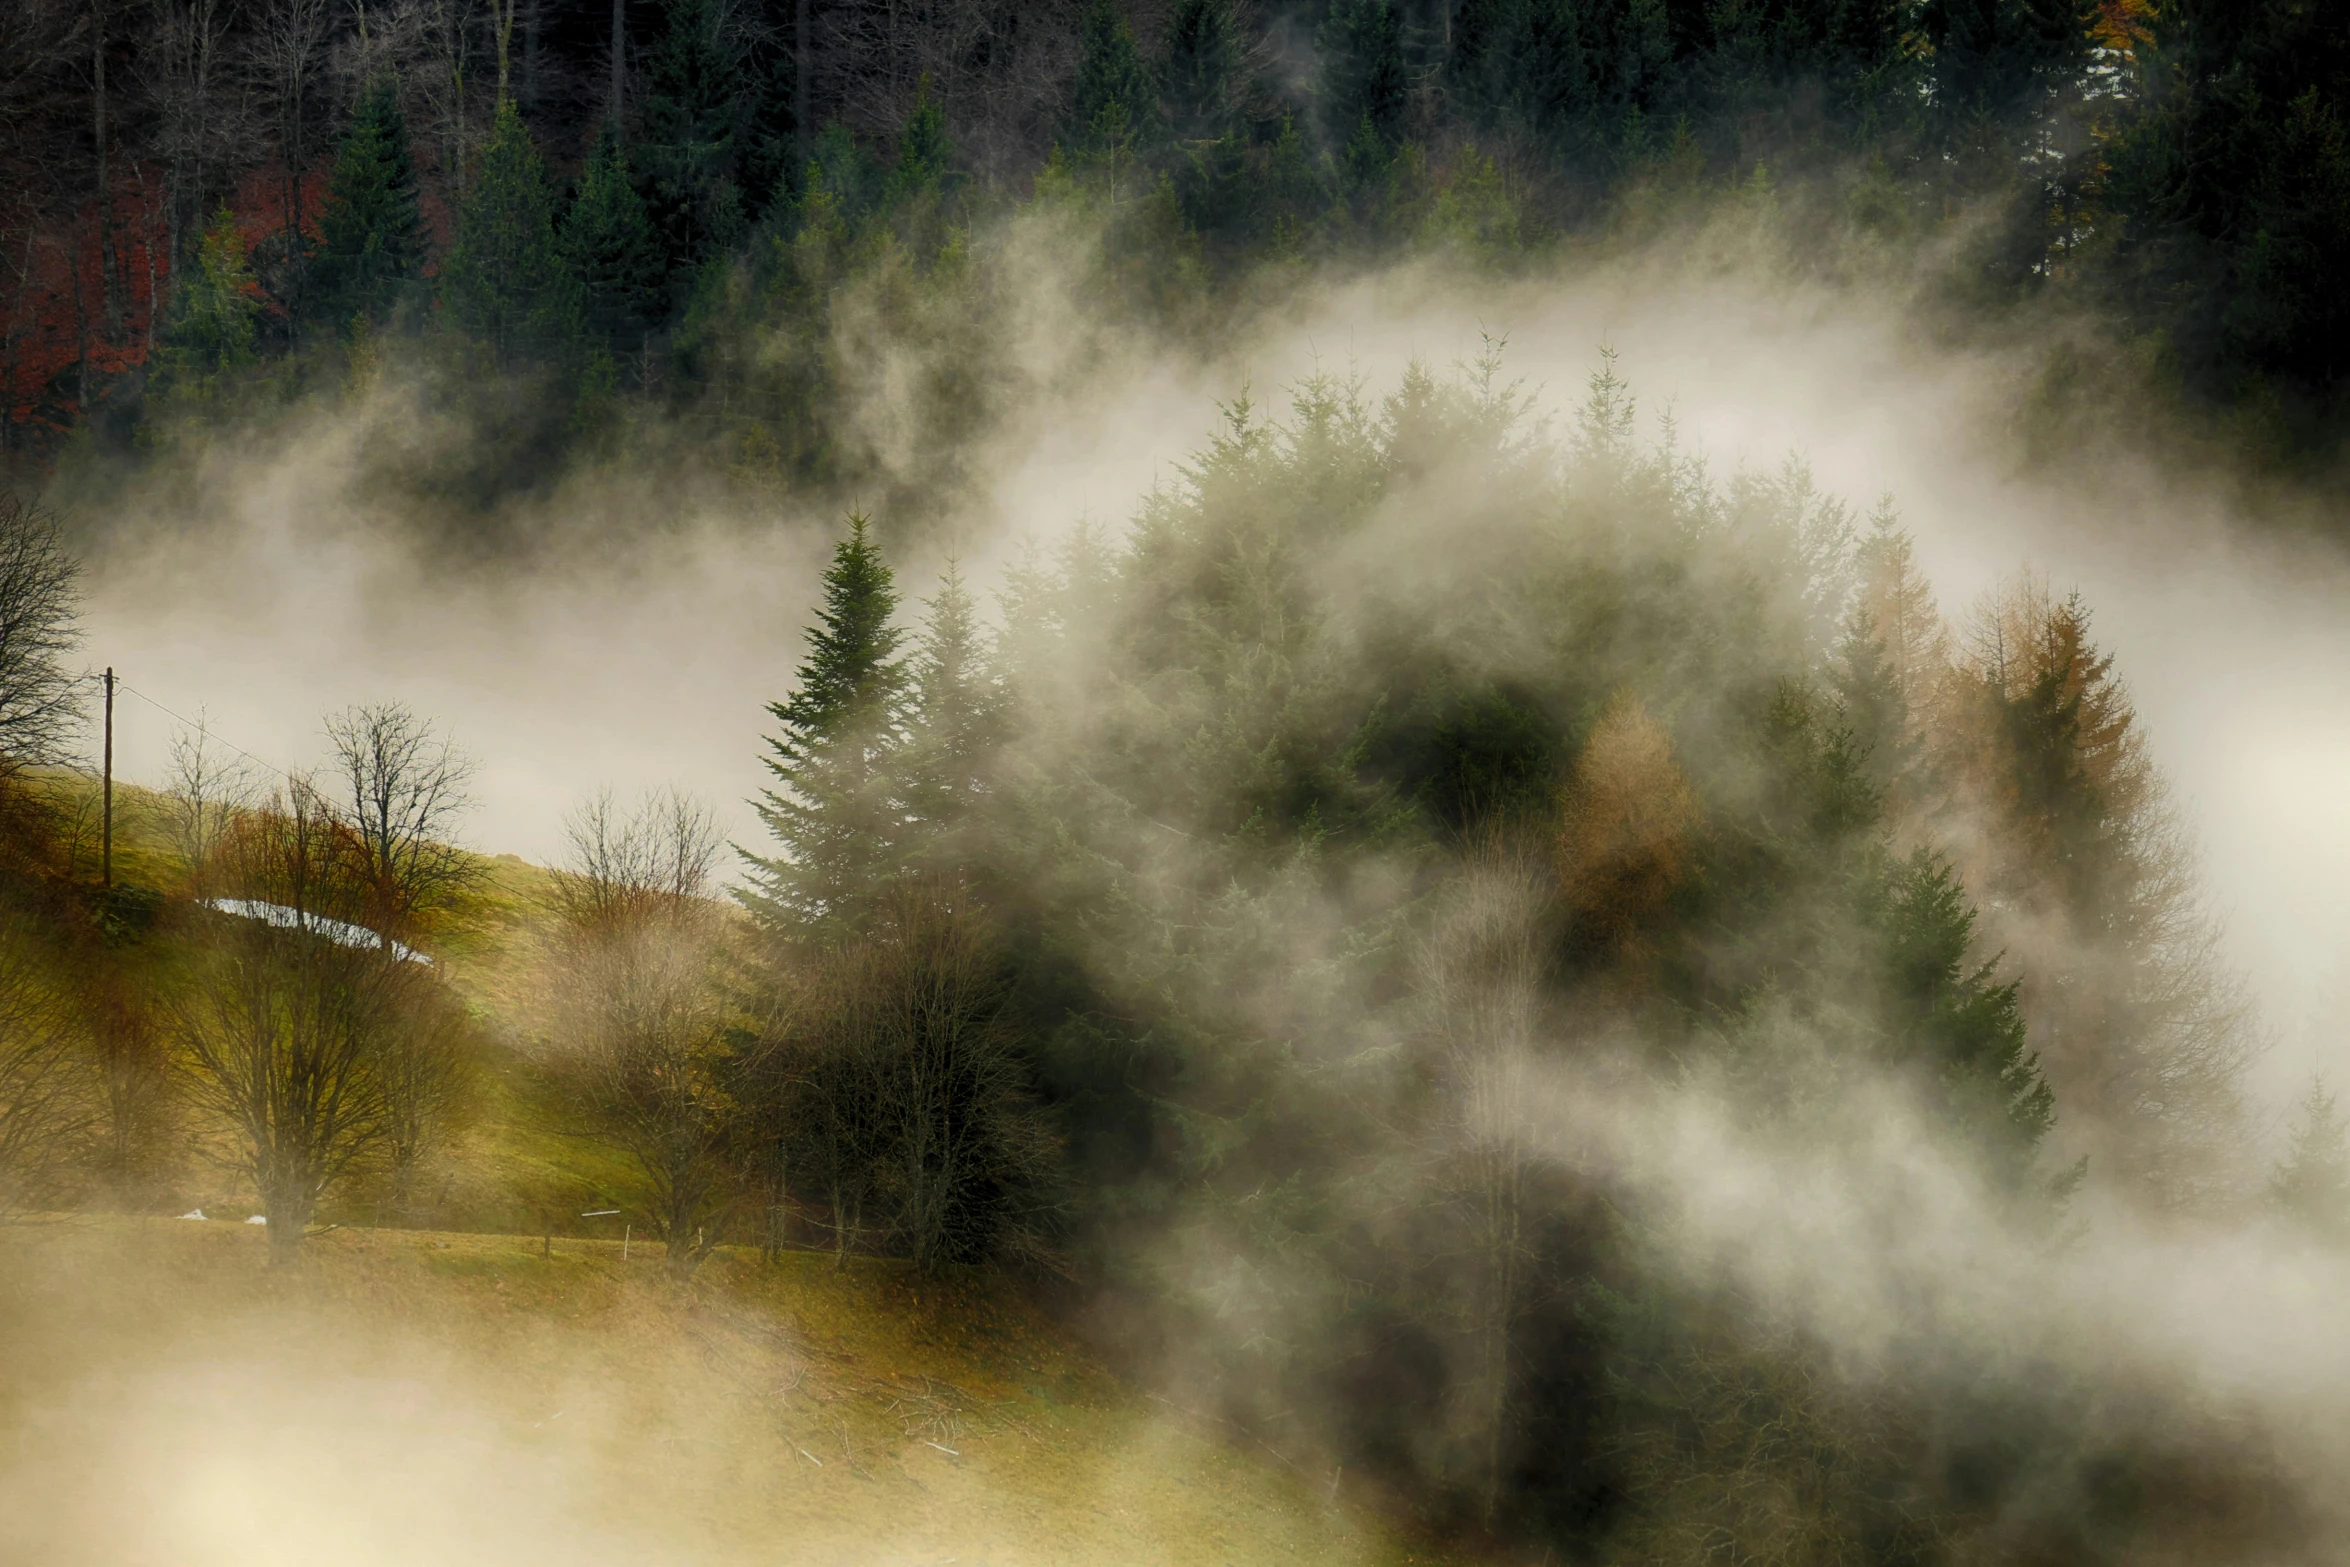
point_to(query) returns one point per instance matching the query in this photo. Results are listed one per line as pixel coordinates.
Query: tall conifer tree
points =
(506, 280)
(1113, 97)
(696, 126)
(612, 250)
(835, 810)
(214, 306)
(1366, 87)
(954, 725)
(372, 236)
(1201, 82)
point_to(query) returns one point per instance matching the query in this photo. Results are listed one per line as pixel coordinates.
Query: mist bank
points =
(653, 609)
(1537, 943)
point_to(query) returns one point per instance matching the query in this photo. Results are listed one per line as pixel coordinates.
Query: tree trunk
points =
(81, 323)
(288, 1208)
(619, 57)
(803, 72)
(13, 359)
(503, 11)
(109, 269)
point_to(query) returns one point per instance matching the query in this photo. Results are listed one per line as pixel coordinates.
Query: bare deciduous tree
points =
(40, 623)
(422, 1069)
(201, 125)
(647, 1056)
(131, 1066)
(918, 1101)
(48, 1106)
(289, 52)
(448, 28)
(403, 786)
(206, 787)
(287, 1023)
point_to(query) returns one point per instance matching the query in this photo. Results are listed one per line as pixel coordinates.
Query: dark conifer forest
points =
(623, 202)
(1544, 986)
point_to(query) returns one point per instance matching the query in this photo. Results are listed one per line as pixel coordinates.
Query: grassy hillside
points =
(514, 1388)
(509, 1165)
(416, 1397)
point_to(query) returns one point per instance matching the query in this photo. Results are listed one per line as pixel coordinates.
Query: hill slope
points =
(411, 1397)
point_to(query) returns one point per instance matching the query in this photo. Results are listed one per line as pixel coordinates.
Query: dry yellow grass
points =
(410, 1397)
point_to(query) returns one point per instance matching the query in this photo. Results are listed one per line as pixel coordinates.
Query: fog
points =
(646, 655)
(635, 640)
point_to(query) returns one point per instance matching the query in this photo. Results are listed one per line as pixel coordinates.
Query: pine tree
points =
(954, 725)
(611, 249)
(835, 809)
(1113, 97)
(1201, 86)
(371, 234)
(2311, 1184)
(505, 280)
(695, 124)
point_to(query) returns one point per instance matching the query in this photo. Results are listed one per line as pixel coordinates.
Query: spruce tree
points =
(1365, 88)
(1113, 98)
(1954, 1020)
(506, 281)
(611, 249)
(923, 148)
(835, 809)
(213, 305)
(1991, 57)
(371, 234)
(696, 124)
(1201, 87)
(954, 725)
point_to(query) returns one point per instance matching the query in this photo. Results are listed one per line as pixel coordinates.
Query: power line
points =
(203, 727)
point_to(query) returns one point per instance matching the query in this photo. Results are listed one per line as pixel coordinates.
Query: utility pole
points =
(106, 829)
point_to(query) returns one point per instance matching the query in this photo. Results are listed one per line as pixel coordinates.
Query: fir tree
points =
(1365, 86)
(923, 148)
(2311, 1183)
(846, 172)
(695, 123)
(611, 248)
(505, 280)
(1200, 86)
(371, 234)
(1113, 95)
(1992, 56)
(214, 305)
(835, 810)
(1952, 1018)
(954, 725)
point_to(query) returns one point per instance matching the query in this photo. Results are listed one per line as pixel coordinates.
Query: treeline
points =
(728, 214)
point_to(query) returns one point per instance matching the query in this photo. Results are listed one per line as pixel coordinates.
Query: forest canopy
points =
(710, 221)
